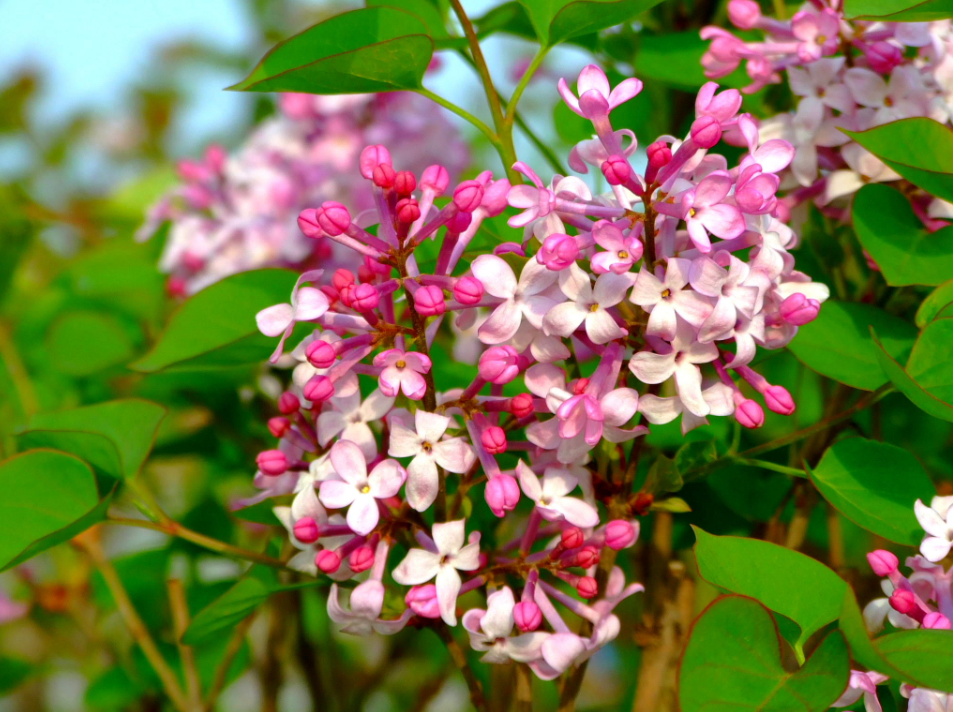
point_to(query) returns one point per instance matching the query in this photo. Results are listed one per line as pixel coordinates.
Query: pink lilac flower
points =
(862, 684)
(491, 631)
(357, 490)
(668, 299)
(402, 372)
(589, 305)
(366, 604)
(350, 420)
(307, 304)
(937, 521)
(527, 299)
(551, 496)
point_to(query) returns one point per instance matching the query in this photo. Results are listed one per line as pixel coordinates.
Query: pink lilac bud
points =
(587, 556)
(384, 175)
(279, 426)
(883, 57)
(333, 218)
(799, 310)
(495, 199)
(620, 534)
(706, 131)
(903, 602)
(430, 301)
(468, 290)
(407, 210)
(342, 278)
(318, 389)
(499, 364)
(361, 559)
(587, 587)
(744, 14)
(882, 562)
(527, 616)
(502, 494)
(468, 195)
(422, 600)
(331, 293)
(436, 179)
(327, 561)
(522, 405)
(558, 252)
(779, 400)
(365, 298)
(371, 157)
(616, 170)
(376, 267)
(320, 354)
(306, 530)
(936, 621)
(308, 224)
(749, 414)
(288, 403)
(659, 154)
(572, 538)
(459, 222)
(405, 183)
(272, 462)
(347, 295)
(494, 440)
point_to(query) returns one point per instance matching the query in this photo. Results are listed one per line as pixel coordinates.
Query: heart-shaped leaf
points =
(899, 10)
(923, 655)
(906, 384)
(373, 49)
(733, 661)
(216, 327)
(114, 437)
(874, 485)
(938, 304)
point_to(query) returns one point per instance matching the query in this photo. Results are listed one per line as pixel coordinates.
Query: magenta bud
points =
(587, 587)
(522, 405)
(494, 440)
(318, 389)
(779, 400)
(495, 197)
(903, 602)
(384, 175)
(527, 616)
(333, 218)
(749, 414)
(430, 301)
(882, 562)
(459, 222)
(436, 179)
(288, 403)
(272, 462)
(502, 493)
(376, 267)
(342, 278)
(407, 210)
(936, 621)
(616, 170)
(706, 131)
(327, 561)
(744, 14)
(320, 354)
(308, 224)
(365, 298)
(572, 538)
(468, 196)
(659, 154)
(306, 530)
(558, 252)
(361, 559)
(371, 157)
(422, 600)
(279, 426)
(798, 310)
(883, 56)
(620, 534)
(405, 182)
(499, 364)
(468, 290)
(587, 556)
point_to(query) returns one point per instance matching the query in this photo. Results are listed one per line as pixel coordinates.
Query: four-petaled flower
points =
(307, 304)
(491, 631)
(589, 305)
(937, 522)
(358, 490)
(551, 496)
(363, 618)
(402, 372)
(527, 298)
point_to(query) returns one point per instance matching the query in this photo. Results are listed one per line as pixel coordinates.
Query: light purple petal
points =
(363, 514)
(274, 320)
(386, 479)
(348, 462)
(419, 566)
(337, 494)
(448, 588)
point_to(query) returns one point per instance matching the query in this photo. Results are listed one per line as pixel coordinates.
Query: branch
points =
(460, 660)
(228, 657)
(180, 621)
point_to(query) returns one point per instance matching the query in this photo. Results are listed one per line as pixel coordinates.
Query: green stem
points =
(766, 465)
(29, 404)
(462, 113)
(520, 88)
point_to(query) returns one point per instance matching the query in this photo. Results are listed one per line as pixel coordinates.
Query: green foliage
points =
(923, 655)
(899, 10)
(556, 21)
(936, 305)
(931, 397)
(13, 672)
(733, 662)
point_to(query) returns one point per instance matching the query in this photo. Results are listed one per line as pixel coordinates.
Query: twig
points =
(460, 660)
(228, 657)
(180, 622)
(524, 688)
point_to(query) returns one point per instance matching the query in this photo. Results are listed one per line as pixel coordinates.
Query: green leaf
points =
(13, 672)
(838, 344)
(773, 575)
(216, 327)
(663, 476)
(430, 13)
(922, 655)
(935, 305)
(695, 454)
(84, 342)
(930, 364)
(114, 437)
(48, 498)
(919, 149)
(510, 17)
(556, 21)
(906, 252)
(875, 485)
(906, 384)
(375, 49)
(733, 662)
(899, 10)
(675, 58)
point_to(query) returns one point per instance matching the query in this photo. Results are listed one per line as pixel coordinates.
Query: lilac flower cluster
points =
(850, 75)
(237, 213)
(649, 285)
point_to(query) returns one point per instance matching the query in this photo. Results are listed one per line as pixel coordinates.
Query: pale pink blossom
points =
(550, 493)
(402, 372)
(350, 418)
(527, 299)
(358, 490)
(667, 298)
(589, 305)
(621, 251)
(596, 99)
(491, 631)
(366, 604)
(862, 684)
(307, 304)
(937, 522)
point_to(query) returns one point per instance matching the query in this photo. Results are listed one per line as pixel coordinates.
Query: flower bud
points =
(779, 400)
(333, 218)
(320, 354)
(308, 224)
(502, 493)
(306, 530)
(936, 621)
(371, 157)
(527, 616)
(903, 602)
(422, 600)
(620, 534)
(376, 267)
(883, 56)
(749, 414)
(587, 587)
(744, 14)
(495, 199)
(342, 278)
(882, 562)
(364, 298)
(318, 389)
(706, 131)
(430, 301)
(572, 538)
(468, 290)
(361, 559)
(407, 210)
(279, 426)
(272, 462)
(459, 222)
(288, 403)
(327, 561)
(558, 252)
(384, 175)
(522, 405)
(405, 183)
(436, 179)
(587, 556)
(798, 310)
(494, 440)
(499, 364)
(616, 170)
(659, 154)
(468, 195)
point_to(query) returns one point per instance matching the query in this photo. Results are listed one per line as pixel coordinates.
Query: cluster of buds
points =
(236, 213)
(850, 75)
(645, 289)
